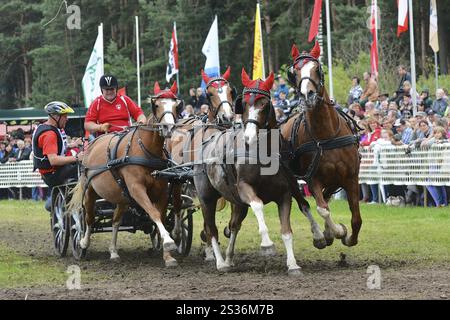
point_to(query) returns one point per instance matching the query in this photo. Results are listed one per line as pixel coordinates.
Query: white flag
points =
(172, 66)
(211, 51)
(434, 40)
(94, 71)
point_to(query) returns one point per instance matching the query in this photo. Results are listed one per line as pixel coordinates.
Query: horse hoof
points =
(346, 241)
(344, 232)
(296, 272)
(224, 268)
(227, 232)
(320, 243)
(84, 244)
(268, 251)
(169, 246)
(203, 236)
(171, 263)
(114, 257)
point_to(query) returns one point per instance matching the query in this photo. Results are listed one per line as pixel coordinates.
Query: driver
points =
(49, 147)
(111, 112)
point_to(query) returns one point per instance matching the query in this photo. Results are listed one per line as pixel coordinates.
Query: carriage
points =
(68, 227)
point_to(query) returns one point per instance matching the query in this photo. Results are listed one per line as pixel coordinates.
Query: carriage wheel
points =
(77, 230)
(59, 223)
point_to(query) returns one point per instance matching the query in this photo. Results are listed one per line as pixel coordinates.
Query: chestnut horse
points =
(324, 145)
(138, 152)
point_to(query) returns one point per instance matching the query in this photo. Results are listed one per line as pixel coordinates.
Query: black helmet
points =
(57, 107)
(108, 81)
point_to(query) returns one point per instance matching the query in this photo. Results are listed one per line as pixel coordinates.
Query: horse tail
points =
(221, 204)
(77, 195)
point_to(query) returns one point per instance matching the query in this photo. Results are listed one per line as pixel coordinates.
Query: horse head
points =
(165, 107)
(306, 75)
(220, 96)
(255, 106)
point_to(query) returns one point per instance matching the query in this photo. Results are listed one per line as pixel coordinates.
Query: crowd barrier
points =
(401, 165)
(384, 165)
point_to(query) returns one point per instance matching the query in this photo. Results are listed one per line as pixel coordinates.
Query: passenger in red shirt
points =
(111, 112)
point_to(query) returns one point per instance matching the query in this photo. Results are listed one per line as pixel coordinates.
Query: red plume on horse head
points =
(294, 52)
(205, 77)
(156, 88)
(226, 75)
(174, 88)
(265, 85)
(315, 52)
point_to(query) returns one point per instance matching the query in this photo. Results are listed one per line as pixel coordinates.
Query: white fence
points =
(400, 166)
(380, 165)
(19, 175)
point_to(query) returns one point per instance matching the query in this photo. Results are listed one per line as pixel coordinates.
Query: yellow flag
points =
(258, 55)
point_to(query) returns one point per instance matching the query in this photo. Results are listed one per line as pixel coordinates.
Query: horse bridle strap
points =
(261, 92)
(210, 82)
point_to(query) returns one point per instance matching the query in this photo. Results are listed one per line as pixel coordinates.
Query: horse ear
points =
(174, 88)
(269, 82)
(156, 88)
(315, 52)
(246, 79)
(294, 52)
(205, 77)
(226, 75)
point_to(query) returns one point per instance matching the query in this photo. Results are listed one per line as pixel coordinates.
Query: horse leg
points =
(239, 212)
(139, 193)
(284, 213)
(318, 238)
(177, 203)
(332, 230)
(248, 195)
(89, 206)
(118, 213)
(212, 234)
(209, 252)
(353, 201)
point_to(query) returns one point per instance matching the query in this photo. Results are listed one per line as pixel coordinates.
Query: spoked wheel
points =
(59, 223)
(77, 230)
(183, 236)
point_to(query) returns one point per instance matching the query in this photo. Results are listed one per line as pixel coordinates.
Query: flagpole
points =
(413, 58)
(218, 57)
(330, 67)
(178, 73)
(436, 72)
(138, 62)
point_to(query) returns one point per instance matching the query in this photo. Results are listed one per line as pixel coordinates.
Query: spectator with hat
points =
(404, 131)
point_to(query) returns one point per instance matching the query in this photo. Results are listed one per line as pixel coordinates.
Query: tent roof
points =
(34, 114)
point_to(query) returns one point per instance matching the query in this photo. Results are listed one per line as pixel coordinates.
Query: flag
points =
(172, 66)
(434, 40)
(94, 70)
(211, 50)
(402, 16)
(314, 27)
(258, 55)
(374, 46)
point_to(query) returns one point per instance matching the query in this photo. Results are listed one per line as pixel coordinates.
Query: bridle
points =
(254, 92)
(222, 102)
(299, 63)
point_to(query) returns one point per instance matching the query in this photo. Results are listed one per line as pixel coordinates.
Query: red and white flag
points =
(402, 16)
(172, 66)
(373, 30)
(314, 27)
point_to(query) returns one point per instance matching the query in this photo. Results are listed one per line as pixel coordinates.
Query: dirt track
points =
(141, 276)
